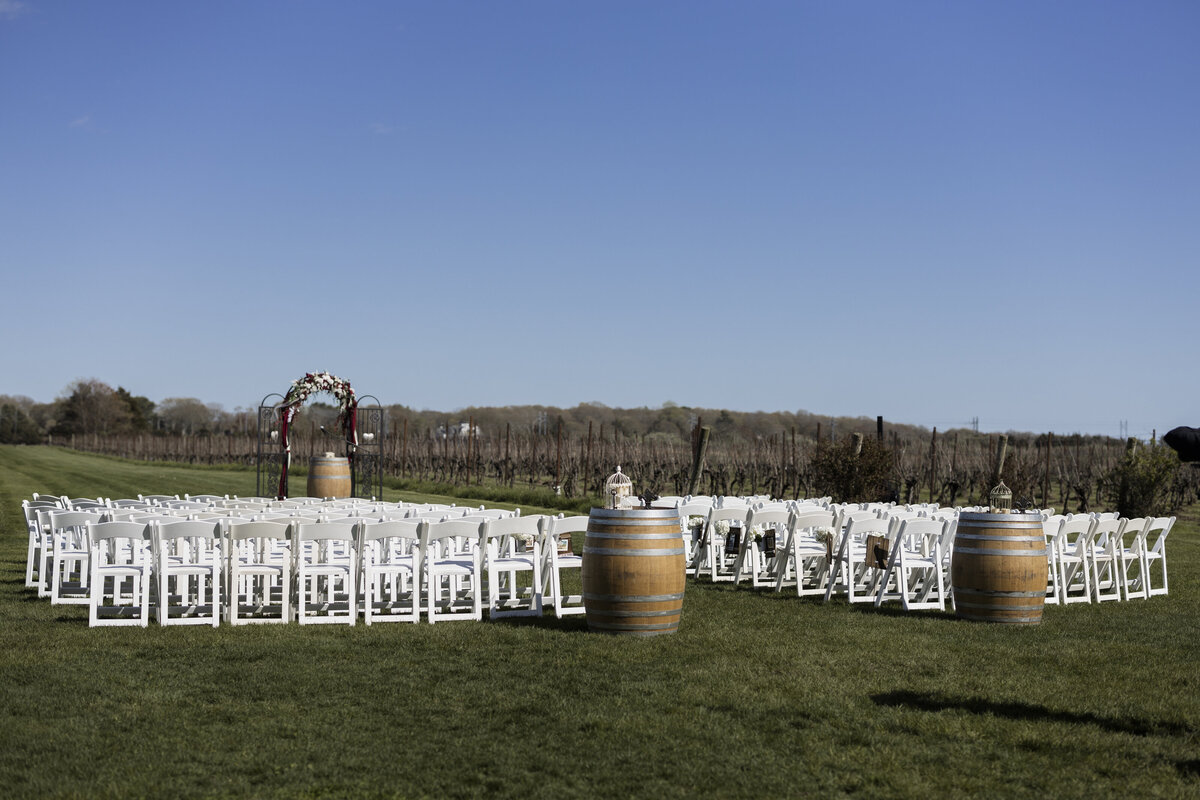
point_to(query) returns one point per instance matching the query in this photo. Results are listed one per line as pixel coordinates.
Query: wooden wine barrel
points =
(633, 571)
(999, 568)
(328, 476)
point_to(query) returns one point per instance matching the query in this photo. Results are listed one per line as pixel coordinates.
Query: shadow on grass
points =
(925, 701)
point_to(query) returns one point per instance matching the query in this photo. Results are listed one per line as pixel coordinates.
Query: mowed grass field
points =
(758, 695)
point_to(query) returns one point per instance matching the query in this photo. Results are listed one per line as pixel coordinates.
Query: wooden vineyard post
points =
(404, 450)
(1046, 473)
(507, 474)
(587, 462)
(932, 463)
(558, 460)
(698, 460)
(1001, 453)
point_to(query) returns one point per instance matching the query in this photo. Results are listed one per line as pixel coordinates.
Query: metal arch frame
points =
(270, 454)
(366, 456)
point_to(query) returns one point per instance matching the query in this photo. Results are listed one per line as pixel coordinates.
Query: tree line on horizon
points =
(89, 406)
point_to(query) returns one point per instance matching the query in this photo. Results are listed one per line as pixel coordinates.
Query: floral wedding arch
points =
(316, 383)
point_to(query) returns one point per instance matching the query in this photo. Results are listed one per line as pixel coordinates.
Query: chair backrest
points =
(731, 502)
(865, 523)
(309, 531)
(106, 531)
(694, 509)
(822, 518)
(1052, 527)
(769, 517)
(450, 529)
(188, 528)
(1133, 532)
(1104, 531)
(258, 529)
(556, 525)
(921, 532)
(511, 526)
(1075, 530)
(60, 520)
(388, 529)
(495, 513)
(1162, 526)
(737, 513)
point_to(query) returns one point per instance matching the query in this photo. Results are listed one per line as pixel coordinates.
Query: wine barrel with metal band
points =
(328, 476)
(999, 568)
(633, 571)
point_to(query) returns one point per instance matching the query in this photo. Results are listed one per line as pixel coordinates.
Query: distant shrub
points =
(1143, 483)
(866, 477)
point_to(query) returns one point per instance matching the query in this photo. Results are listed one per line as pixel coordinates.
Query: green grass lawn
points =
(758, 694)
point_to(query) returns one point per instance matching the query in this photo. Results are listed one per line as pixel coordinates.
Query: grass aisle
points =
(758, 694)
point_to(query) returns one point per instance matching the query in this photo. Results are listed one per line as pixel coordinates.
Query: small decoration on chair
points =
(825, 536)
(877, 551)
(733, 540)
(696, 525)
(617, 488)
(768, 543)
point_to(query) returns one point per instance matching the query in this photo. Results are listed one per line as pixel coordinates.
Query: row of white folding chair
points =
(895, 557)
(1098, 557)
(175, 565)
(34, 560)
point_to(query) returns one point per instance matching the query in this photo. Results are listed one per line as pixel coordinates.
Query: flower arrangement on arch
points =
(314, 382)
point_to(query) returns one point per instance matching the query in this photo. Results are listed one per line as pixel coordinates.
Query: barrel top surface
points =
(625, 514)
(981, 517)
(330, 459)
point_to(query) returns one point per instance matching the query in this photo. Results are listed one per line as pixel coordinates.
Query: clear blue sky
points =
(932, 211)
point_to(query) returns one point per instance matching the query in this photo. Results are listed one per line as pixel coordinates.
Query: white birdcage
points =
(617, 488)
(1000, 499)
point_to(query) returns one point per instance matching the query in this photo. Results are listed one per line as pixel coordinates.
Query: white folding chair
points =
(1129, 548)
(854, 570)
(33, 560)
(511, 546)
(915, 566)
(1050, 528)
(805, 558)
(390, 553)
(120, 558)
(1074, 542)
(693, 535)
(721, 541)
(188, 565)
(1102, 556)
(326, 567)
(1157, 552)
(554, 561)
(451, 565)
(259, 572)
(68, 552)
(759, 547)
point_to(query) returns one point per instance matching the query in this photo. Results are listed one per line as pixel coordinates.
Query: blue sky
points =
(930, 211)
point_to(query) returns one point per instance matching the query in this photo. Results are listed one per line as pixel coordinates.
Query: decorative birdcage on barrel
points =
(1000, 499)
(617, 488)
